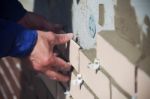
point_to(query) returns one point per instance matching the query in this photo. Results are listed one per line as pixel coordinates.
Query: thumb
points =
(63, 38)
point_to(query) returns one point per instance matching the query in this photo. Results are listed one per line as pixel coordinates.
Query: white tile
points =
(74, 54)
(119, 65)
(116, 94)
(78, 93)
(99, 83)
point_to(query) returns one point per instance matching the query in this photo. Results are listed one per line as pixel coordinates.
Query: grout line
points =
(79, 60)
(110, 85)
(136, 73)
(136, 79)
(90, 90)
(86, 86)
(113, 82)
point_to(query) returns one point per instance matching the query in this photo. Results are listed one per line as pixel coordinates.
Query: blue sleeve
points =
(16, 40)
(11, 10)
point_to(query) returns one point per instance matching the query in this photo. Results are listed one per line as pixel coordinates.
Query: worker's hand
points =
(45, 60)
(35, 21)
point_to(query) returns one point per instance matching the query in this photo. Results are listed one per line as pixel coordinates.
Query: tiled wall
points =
(123, 74)
(122, 51)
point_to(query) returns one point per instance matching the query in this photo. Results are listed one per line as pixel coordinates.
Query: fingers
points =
(60, 70)
(47, 60)
(63, 38)
(61, 64)
(57, 76)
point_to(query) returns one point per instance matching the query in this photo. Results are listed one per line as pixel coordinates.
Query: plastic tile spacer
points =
(95, 65)
(67, 93)
(134, 96)
(78, 81)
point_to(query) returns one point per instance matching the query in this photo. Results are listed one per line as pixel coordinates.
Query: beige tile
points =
(143, 85)
(98, 82)
(74, 54)
(118, 57)
(78, 93)
(116, 94)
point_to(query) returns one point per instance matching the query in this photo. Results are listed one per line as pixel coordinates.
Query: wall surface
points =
(122, 45)
(88, 13)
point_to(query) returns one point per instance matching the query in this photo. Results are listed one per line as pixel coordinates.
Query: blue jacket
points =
(15, 40)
